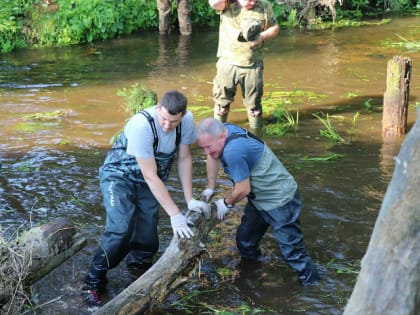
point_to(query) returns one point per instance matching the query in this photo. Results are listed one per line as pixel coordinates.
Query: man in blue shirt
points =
(272, 192)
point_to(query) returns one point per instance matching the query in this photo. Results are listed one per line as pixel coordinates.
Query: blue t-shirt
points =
(272, 186)
(240, 155)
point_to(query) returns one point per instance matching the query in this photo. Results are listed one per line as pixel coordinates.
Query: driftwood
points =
(170, 271)
(36, 253)
(389, 280)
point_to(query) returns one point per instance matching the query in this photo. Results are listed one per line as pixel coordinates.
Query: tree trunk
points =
(389, 280)
(170, 271)
(394, 120)
(36, 253)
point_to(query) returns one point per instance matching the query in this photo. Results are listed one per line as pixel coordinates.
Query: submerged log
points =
(36, 253)
(169, 272)
(389, 280)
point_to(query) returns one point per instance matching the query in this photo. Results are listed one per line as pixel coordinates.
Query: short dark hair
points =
(175, 102)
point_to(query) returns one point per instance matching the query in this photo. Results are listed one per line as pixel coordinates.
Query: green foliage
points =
(329, 131)
(410, 45)
(285, 122)
(78, 21)
(202, 14)
(12, 18)
(34, 22)
(136, 98)
(326, 158)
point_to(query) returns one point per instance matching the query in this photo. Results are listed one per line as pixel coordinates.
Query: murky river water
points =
(49, 168)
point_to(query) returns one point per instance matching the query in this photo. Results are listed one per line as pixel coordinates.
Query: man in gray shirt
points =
(132, 181)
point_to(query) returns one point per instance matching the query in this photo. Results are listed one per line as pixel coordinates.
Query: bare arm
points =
(268, 34)
(239, 192)
(212, 170)
(185, 170)
(156, 185)
(218, 4)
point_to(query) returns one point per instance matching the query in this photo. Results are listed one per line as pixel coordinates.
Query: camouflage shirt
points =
(232, 19)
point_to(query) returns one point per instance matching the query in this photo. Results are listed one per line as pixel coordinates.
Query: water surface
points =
(50, 168)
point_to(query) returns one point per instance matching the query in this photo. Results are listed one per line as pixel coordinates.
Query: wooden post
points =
(394, 119)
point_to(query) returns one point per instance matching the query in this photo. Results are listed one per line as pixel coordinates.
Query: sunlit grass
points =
(407, 44)
(329, 157)
(329, 132)
(286, 122)
(47, 116)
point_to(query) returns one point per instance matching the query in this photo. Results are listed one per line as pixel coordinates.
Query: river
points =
(49, 168)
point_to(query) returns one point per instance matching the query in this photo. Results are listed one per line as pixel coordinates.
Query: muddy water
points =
(49, 167)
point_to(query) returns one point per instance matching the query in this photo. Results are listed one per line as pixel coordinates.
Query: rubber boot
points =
(222, 118)
(255, 122)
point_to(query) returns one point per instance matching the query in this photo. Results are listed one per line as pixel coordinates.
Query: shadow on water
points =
(50, 168)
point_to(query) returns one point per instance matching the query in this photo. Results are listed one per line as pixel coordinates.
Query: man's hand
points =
(180, 226)
(200, 206)
(221, 209)
(207, 194)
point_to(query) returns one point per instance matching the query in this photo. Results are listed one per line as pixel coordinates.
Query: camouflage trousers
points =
(184, 16)
(225, 83)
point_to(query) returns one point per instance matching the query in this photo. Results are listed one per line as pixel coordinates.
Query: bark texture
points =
(394, 120)
(171, 270)
(36, 253)
(389, 280)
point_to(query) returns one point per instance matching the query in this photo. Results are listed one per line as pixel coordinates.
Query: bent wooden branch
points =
(36, 253)
(169, 271)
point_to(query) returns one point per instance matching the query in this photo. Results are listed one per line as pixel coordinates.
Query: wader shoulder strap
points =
(245, 134)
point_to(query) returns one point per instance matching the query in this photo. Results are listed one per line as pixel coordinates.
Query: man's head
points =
(170, 110)
(211, 136)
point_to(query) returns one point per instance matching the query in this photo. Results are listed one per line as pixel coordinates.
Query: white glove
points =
(207, 194)
(200, 206)
(221, 209)
(180, 227)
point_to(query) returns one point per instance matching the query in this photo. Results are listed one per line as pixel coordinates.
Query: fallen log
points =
(34, 254)
(169, 272)
(389, 279)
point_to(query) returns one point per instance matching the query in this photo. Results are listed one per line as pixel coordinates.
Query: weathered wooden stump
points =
(170, 271)
(36, 253)
(394, 119)
(389, 280)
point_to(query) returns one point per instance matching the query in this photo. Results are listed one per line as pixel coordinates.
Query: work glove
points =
(207, 194)
(221, 209)
(180, 226)
(200, 206)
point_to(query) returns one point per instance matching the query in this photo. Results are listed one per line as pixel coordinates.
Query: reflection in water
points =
(50, 169)
(182, 51)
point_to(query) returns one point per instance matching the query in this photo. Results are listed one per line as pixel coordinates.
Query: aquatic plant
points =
(407, 44)
(136, 98)
(329, 131)
(285, 122)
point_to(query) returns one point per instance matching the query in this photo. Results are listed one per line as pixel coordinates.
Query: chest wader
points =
(139, 241)
(286, 230)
